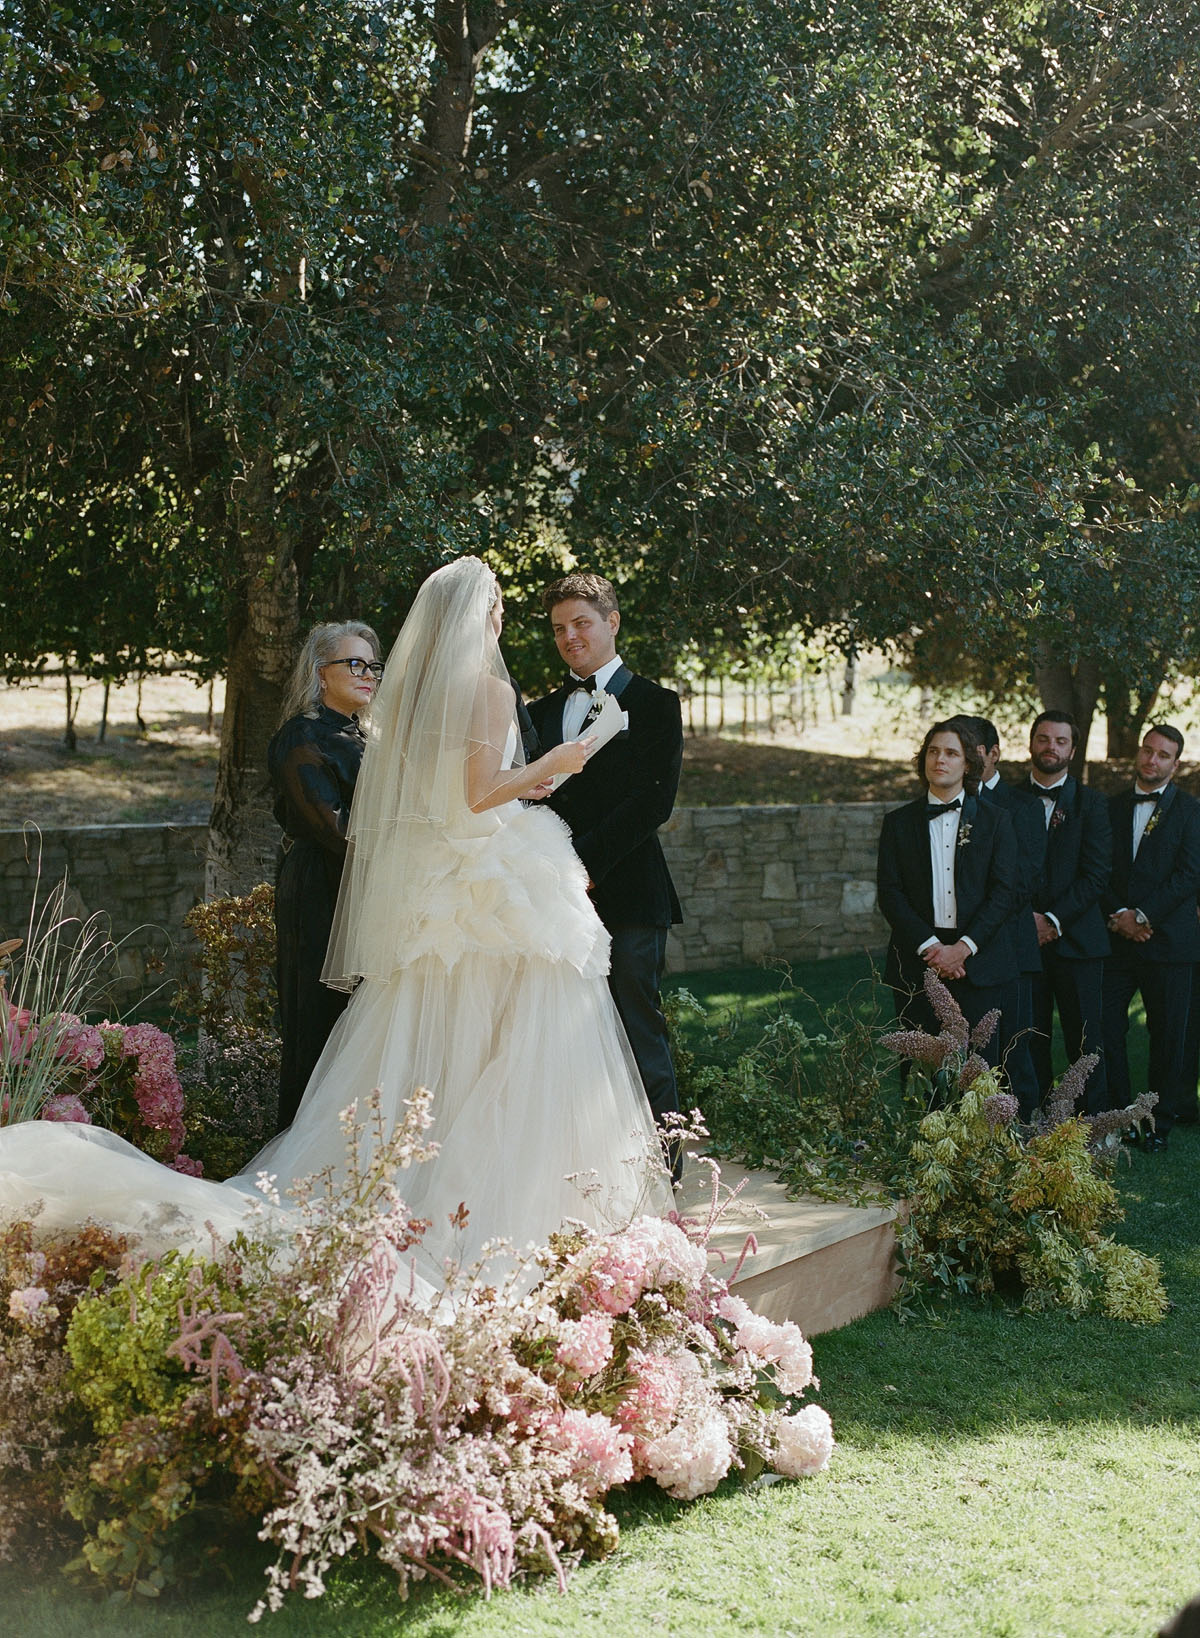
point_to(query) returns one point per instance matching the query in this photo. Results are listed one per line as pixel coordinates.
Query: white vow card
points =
(604, 721)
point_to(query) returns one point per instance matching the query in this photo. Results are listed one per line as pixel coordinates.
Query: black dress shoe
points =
(1154, 1142)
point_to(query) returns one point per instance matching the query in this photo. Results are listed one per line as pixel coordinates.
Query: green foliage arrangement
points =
(991, 1207)
(230, 1072)
(990, 1213)
(821, 1109)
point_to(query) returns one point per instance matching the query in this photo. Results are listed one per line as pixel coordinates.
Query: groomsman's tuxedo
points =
(1016, 1009)
(1077, 869)
(986, 890)
(614, 807)
(1162, 881)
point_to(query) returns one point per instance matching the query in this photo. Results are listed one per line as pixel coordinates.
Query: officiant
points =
(614, 808)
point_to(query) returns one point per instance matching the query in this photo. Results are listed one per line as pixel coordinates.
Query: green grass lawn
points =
(997, 1475)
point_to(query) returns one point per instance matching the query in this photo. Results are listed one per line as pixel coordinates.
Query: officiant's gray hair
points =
(587, 588)
(303, 695)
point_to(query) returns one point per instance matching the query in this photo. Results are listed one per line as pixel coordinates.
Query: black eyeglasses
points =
(357, 667)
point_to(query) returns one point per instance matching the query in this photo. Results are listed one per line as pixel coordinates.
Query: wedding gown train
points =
(497, 1003)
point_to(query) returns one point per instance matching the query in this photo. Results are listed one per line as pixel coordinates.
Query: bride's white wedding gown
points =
(497, 1004)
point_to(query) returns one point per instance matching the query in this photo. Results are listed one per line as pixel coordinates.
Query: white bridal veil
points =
(445, 698)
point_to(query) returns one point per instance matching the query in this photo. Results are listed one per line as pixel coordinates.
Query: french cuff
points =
(970, 944)
(928, 945)
(1053, 919)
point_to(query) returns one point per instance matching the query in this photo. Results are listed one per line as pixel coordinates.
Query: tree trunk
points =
(1127, 708)
(264, 637)
(849, 684)
(1073, 688)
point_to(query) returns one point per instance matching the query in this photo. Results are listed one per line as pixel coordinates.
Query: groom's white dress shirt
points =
(579, 703)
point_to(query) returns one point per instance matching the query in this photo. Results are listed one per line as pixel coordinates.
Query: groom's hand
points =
(539, 792)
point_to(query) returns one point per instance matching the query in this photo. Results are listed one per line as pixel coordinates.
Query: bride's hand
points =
(570, 757)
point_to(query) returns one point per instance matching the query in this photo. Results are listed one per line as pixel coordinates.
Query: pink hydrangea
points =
(599, 1449)
(188, 1166)
(781, 1345)
(804, 1442)
(648, 1255)
(155, 1084)
(78, 1042)
(585, 1345)
(693, 1457)
(65, 1106)
(26, 1306)
(649, 1405)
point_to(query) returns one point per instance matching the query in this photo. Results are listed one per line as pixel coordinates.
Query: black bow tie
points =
(933, 809)
(1147, 796)
(588, 683)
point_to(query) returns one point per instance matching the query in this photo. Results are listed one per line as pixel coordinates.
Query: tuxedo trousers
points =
(635, 979)
(1076, 988)
(1166, 991)
(1016, 1031)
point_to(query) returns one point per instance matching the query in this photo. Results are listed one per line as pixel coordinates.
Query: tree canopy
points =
(876, 320)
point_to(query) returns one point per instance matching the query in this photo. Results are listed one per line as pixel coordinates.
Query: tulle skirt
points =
(497, 1005)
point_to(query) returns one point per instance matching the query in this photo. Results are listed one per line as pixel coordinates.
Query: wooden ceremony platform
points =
(819, 1263)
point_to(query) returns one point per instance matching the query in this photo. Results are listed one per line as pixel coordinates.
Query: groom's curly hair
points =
(588, 588)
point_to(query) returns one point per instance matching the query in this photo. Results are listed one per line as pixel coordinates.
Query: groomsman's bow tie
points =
(588, 683)
(1147, 796)
(935, 808)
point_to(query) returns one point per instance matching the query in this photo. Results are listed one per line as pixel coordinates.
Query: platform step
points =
(819, 1263)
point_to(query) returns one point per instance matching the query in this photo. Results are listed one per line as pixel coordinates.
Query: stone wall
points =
(142, 878)
(771, 884)
(756, 884)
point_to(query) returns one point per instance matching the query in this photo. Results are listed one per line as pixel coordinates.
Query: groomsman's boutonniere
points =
(1058, 818)
(964, 833)
(1153, 820)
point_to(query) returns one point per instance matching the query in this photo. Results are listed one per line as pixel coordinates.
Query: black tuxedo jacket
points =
(986, 888)
(616, 803)
(1079, 857)
(1029, 826)
(1164, 878)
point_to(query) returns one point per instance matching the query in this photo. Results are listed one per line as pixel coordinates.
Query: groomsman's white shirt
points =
(943, 841)
(578, 703)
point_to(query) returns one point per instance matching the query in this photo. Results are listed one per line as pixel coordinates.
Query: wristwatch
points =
(1142, 919)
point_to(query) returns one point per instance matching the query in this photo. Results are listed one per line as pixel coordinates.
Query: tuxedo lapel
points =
(551, 732)
(964, 866)
(920, 847)
(619, 681)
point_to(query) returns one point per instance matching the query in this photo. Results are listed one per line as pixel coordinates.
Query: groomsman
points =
(614, 808)
(1016, 1009)
(948, 886)
(1066, 903)
(1150, 903)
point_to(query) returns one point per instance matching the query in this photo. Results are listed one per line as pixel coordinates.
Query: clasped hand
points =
(1125, 923)
(948, 960)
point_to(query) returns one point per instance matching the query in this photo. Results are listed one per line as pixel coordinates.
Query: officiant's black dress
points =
(313, 763)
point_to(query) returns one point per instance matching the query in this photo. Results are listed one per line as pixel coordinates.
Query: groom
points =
(614, 808)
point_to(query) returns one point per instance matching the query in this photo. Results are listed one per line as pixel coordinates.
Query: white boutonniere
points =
(599, 696)
(1153, 820)
(964, 833)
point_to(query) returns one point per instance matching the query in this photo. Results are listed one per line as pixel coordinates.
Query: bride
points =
(477, 965)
